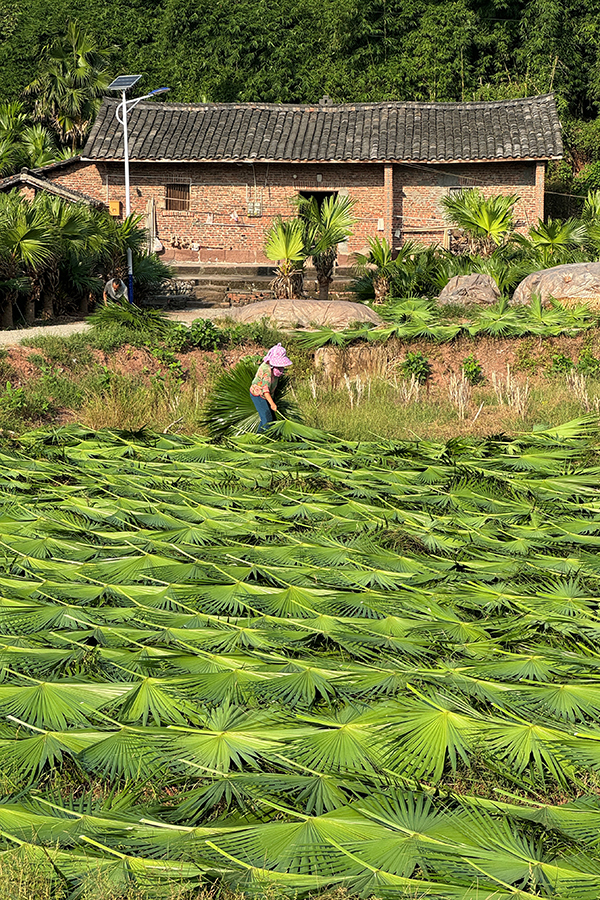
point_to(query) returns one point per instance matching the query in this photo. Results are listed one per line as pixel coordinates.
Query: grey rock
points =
(474, 288)
(571, 283)
(304, 313)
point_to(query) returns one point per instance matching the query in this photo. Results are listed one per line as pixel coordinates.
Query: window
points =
(178, 197)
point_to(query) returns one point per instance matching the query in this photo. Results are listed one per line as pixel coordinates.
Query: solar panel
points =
(124, 82)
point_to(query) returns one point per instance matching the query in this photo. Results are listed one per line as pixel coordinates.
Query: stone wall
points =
(232, 205)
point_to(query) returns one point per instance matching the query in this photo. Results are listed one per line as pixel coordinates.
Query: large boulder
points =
(571, 284)
(474, 288)
(304, 313)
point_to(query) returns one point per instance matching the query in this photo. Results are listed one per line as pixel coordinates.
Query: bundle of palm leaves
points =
(292, 665)
(230, 409)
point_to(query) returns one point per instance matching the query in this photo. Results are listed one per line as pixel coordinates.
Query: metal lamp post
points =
(123, 83)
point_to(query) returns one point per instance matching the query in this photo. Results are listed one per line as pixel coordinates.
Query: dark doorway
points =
(320, 196)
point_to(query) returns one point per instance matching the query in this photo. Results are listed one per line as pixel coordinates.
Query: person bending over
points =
(264, 384)
(114, 289)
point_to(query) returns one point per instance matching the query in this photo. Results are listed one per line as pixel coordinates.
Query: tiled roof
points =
(352, 132)
(29, 179)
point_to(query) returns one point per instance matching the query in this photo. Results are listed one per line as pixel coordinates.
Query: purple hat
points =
(277, 357)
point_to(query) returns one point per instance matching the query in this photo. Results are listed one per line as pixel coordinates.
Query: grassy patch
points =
(383, 407)
(71, 352)
(132, 404)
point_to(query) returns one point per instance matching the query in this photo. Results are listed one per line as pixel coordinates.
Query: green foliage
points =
(12, 398)
(285, 245)
(205, 335)
(71, 352)
(55, 255)
(22, 143)
(327, 661)
(68, 90)
(417, 366)
(561, 363)
(554, 242)
(150, 322)
(324, 226)
(588, 364)
(412, 319)
(472, 369)
(588, 179)
(486, 220)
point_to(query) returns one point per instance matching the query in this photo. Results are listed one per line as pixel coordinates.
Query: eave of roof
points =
(321, 162)
(60, 164)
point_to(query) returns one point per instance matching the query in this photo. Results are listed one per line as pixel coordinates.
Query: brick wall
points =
(396, 202)
(418, 191)
(25, 191)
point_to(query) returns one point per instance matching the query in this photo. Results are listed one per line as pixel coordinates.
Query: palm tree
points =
(379, 274)
(118, 237)
(77, 239)
(285, 245)
(37, 146)
(591, 207)
(67, 94)
(487, 221)
(22, 143)
(554, 242)
(325, 226)
(25, 245)
(377, 267)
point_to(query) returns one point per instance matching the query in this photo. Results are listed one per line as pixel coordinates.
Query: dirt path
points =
(13, 338)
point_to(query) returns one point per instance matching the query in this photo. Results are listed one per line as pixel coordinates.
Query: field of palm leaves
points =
(294, 663)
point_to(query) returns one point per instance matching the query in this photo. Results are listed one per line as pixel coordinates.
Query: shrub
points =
(177, 338)
(418, 366)
(588, 364)
(205, 335)
(472, 370)
(561, 364)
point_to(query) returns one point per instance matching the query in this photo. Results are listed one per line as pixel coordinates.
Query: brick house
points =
(214, 175)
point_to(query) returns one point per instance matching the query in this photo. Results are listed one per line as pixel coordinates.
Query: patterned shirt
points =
(263, 381)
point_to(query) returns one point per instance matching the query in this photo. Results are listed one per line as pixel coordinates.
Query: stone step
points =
(243, 272)
(213, 286)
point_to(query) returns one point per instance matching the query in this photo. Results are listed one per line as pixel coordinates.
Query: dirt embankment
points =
(23, 363)
(530, 356)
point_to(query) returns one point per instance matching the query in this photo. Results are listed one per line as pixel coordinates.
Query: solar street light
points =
(124, 83)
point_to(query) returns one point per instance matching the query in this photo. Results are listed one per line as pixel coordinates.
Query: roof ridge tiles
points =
(331, 108)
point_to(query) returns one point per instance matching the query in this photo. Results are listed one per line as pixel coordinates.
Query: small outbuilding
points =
(29, 183)
(209, 178)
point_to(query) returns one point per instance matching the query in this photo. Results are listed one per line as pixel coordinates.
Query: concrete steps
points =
(212, 284)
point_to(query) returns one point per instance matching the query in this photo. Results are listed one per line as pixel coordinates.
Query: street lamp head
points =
(123, 82)
(156, 91)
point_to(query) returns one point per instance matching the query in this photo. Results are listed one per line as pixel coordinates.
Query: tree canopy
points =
(299, 50)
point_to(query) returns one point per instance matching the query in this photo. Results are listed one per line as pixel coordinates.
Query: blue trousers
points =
(264, 411)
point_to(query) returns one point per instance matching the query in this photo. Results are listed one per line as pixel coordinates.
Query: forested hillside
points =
(299, 50)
